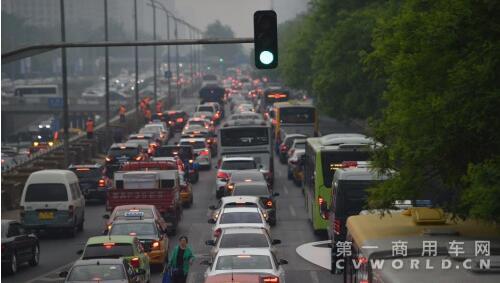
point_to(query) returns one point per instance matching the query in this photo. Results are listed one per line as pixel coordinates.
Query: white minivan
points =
(51, 200)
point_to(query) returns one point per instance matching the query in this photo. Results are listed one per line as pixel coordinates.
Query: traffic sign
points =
(55, 102)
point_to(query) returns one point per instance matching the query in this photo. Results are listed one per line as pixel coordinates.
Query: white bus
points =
(37, 91)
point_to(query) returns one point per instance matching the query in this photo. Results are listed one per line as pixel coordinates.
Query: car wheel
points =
(12, 268)
(35, 256)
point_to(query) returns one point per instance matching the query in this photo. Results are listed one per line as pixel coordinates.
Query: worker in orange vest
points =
(89, 128)
(122, 112)
(158, 107)
(142, 105)
(147, 115)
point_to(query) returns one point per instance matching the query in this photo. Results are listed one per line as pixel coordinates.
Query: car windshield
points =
(133, 229)
(238, 165)
(250, 190)
(244, 136)
(108, 250)
(301, 145)
(250, 240)
(243, 262)
(194, 144)
(245, 176)
(240, 217)
(128, 151)
(205, 109)
(87, 173)
(47, 192)
(142, 143)
(97, 273)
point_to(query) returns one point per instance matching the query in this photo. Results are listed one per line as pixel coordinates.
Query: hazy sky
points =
(236, 13)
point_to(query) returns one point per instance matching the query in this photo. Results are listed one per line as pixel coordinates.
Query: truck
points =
(155, 183)
(212, 93)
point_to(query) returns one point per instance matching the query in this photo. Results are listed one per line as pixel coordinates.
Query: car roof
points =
(230, 199)
(240, 209)
(122, 239)
(192, 139)
(49, 175)
(244, 251)
(294, 135)
(244, 230)
(237, 158)
(93, 166)
(96, 261)
(136, 221)
(254, 184)
(134, 206)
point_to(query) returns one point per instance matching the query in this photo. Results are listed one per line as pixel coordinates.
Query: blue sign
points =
(168, 74)
(55, 102)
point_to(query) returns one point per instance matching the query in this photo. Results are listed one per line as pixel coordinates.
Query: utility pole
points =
(64, 73)
(177, 97)
(136, 51)
(169, 79)
(154, 54)
(106, 70)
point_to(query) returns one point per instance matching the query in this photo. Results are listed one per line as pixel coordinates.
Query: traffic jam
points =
(238, 131)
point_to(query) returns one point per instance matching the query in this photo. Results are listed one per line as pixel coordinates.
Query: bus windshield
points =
(330, 159)
(244, 136)
(296, 115)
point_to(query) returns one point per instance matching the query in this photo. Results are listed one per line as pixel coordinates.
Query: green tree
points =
(440, 127)
(230, 53)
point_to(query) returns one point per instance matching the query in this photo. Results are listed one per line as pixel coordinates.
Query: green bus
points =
(323, 156)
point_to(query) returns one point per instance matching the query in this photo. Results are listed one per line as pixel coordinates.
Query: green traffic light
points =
(266, 57)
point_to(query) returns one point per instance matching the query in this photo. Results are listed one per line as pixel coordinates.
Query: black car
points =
(102, 270)
(184, 153)
(120, 153)
(18, 247)
(93, 180)
(261, 190)
(176, 119)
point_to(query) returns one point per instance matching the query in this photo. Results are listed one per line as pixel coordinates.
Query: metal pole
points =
(191, 58)
(106, 69)
(136, 51)
(64, 74)
(177, 97)
(168, 61)
(154, 54)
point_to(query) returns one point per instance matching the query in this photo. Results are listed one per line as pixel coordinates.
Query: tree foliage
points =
(230, 53)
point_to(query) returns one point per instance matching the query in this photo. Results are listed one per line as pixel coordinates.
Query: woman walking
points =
(180, 261)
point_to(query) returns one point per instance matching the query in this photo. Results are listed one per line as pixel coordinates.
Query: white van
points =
(52, 199)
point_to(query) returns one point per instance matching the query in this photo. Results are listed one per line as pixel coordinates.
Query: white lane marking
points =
(285, 189)
(314, 276)
(292, 210)
(62, 267)
(316, 253)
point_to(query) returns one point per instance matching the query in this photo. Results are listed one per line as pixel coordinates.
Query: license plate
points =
(46, 215)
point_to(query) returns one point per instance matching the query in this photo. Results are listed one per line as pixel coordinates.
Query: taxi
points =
(131, 212)
(154, 240)
(127, 247)
(186, 192)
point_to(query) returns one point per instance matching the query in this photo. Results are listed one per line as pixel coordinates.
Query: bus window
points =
(330, 159)
(244, 137)
(297, 115)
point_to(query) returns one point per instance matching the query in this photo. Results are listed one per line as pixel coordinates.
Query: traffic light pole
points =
(64, 74)
(136, 53)
(106, 70)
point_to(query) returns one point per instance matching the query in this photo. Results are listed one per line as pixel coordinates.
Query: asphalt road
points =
(293, 228)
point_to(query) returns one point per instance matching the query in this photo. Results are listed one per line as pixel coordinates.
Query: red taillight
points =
(204, 152)
(135, 262)
(222, 175)
(179, 120)
(347, 164)
(217, 232)
(270, 279)
(209, 140)
(269, 203)
(71, 210)
(283, 148)
(337, 226)
(155, 245)
(230, 187)
(138, 158)
(102, 183)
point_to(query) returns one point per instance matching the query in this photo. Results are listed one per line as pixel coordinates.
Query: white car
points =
(158, 130)
(201, 150)
(236, 201)
(242, 237)
(258, 261)
(226, 167)
(239, 217)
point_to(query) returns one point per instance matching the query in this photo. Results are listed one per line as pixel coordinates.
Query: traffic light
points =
(265, 39)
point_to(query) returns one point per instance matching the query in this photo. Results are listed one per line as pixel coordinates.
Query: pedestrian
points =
(122, 111)
(180, 261)
(89, 128)
(147, 115)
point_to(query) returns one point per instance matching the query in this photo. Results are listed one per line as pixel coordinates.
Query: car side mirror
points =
(276, 194)
(212, 207)
(283, 261)
(205, 262)
(276, 242)
(211, 221)
(210, 242)
(79, 252)
(63, 274)
(140, 271)
(106, 216)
